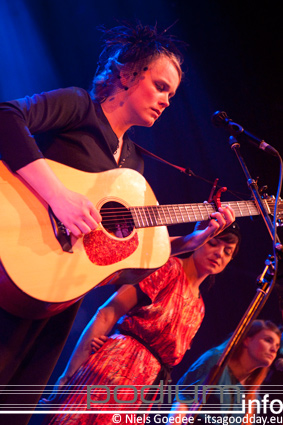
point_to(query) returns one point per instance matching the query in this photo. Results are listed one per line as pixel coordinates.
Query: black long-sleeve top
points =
(64, 125)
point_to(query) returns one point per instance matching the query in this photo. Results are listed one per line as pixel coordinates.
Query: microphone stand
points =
(266, 282)
(235, 145)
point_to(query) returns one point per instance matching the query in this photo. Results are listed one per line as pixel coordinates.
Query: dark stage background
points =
(233, 63)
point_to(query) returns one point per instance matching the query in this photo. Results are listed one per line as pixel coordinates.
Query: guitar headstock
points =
(270, 200)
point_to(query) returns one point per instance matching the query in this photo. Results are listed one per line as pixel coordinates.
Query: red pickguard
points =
(104, 250)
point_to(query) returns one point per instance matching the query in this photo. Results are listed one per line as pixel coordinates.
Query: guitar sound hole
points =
(117, 219)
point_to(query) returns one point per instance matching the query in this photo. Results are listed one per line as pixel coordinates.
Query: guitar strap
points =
(187, 171)
(158, 158)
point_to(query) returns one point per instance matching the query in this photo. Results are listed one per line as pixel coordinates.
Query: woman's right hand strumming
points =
(74, 210)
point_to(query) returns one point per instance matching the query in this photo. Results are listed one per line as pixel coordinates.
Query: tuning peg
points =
(262, 190)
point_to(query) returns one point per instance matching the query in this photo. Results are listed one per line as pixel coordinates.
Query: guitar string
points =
(169, 209)
(245, 205)
(147, 215)
(181, 208)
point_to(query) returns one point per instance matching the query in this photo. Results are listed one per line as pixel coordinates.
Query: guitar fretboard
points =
(166, 215)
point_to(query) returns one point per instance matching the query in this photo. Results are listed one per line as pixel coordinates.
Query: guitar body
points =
(39, 279)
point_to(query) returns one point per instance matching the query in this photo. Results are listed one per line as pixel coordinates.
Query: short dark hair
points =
(134, 47)
(231, 234)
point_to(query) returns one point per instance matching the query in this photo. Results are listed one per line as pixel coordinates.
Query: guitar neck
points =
(166, 215)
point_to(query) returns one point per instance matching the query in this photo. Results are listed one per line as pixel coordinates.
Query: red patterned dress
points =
(167, 325)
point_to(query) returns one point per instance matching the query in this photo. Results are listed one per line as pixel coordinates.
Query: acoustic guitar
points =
(44, 269)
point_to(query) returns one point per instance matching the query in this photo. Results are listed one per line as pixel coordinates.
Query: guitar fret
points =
(168, 212)
(178, 214)
(151, 214)
(194, 215)
(181, 207)
(249, 209)
(200, 212)
(244, 208)
(187, 211)
(164, 216)
(209, 210)
(168, 215)
(146, 223)
(137, 217)
(176, 217)
(147, 217)
(159, 220)
(239, 210)
(143, 218)
(185, 207)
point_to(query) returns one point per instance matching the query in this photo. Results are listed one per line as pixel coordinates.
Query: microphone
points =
(221, 119)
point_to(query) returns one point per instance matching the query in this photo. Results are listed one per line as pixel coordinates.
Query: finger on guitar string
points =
(95, 213)
(222, 219)
(228, 214)
(76, 212)
(81, 227)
